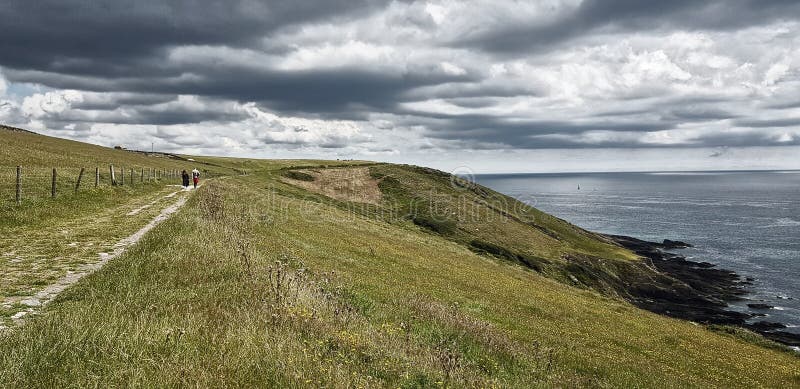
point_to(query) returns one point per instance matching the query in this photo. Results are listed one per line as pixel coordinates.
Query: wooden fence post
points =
(113, 176)
(132, 175)
(96, 177)
(122, 175)
(141, 178)
(19, 185)
(78, 183)
(53, 186)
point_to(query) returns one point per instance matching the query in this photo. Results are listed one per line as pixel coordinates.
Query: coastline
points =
(702, 293)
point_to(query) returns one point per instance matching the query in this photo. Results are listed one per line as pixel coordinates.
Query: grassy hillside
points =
(38, 155)
(34, 150)
(496, 225)
(278, 278)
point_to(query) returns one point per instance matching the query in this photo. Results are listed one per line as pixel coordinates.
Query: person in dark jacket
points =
(185, 178)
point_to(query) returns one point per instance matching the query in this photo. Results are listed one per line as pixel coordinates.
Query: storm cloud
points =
(379, 79)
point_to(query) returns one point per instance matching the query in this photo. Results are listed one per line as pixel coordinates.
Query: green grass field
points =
(258, 281)
(38, 155)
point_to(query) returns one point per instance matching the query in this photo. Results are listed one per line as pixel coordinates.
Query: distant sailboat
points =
(579, 186)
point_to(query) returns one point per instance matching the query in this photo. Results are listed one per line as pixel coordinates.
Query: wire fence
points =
(19, 183)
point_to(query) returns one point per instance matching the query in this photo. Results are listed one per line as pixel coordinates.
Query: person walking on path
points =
(195, 177)
(185, 179)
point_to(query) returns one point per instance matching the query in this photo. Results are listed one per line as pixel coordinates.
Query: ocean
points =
(748, 222)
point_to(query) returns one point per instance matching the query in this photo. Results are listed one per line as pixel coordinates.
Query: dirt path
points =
(27, 305)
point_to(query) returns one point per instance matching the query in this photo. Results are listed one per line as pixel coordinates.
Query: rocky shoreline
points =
(701, 292)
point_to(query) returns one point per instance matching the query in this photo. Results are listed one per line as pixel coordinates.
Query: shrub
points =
(300, 176)
(441, 226)
(534, 263)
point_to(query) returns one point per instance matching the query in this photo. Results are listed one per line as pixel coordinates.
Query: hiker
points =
(185, 178)
(195, 177)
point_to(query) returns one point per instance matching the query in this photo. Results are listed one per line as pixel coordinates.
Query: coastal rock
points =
(788, 338)
(692, 291)
(767, 326)
(760, 306)
(674, 244)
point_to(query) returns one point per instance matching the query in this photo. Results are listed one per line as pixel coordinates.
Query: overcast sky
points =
(495, 86)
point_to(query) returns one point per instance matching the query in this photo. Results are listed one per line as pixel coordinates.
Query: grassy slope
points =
(377, 303)
(480, 213)
(38, 155)
(29, 149)
(490, 222)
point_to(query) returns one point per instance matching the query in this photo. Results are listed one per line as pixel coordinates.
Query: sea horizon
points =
(644, 172)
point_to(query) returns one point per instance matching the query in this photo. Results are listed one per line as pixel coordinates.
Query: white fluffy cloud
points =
(44, 105)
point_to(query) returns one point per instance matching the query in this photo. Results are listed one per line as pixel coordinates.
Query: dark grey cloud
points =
(749, 139)
(784, 104)
(112, 46)
(762, 123)
(342, 92)
(508, 85)
(113, 38)
(694, 113)
(110, 101)
(719, 152)
(594, 16)
(483, 131)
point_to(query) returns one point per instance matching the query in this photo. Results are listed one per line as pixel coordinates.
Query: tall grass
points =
(228, 311)
(243, 289)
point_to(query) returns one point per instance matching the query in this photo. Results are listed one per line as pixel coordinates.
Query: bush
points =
(441, 226)
(531, 262)
(300, 176)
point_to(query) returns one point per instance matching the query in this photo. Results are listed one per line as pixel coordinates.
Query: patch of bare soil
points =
(346, 184)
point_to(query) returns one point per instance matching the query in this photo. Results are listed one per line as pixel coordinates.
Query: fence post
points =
(96, 177)
(19, 185)
(122, 175)
(141, 178)
(132, 175)
(113, 177)
(53, 186)
(78, 183)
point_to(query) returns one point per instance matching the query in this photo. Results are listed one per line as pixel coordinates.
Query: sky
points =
(480, 86)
